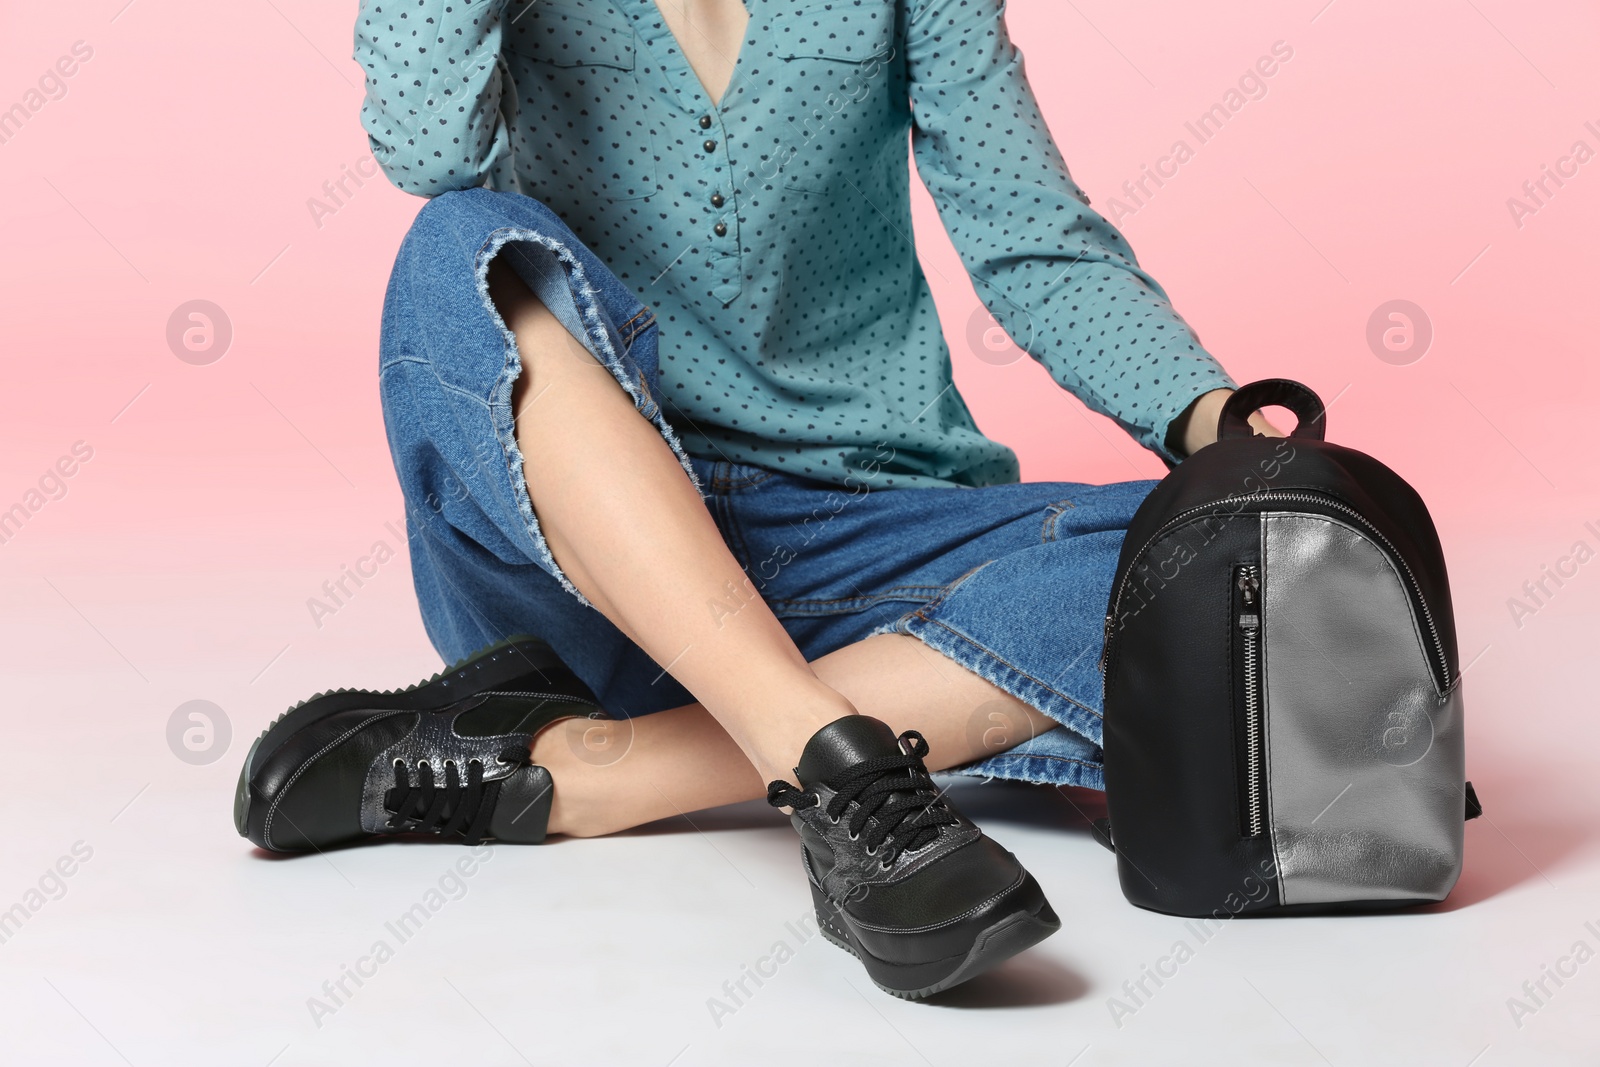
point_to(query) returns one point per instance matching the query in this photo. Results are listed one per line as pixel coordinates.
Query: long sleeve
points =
(1056, 274)
(435, 82)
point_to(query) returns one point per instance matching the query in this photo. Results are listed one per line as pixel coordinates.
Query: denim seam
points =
(939, 593)
(721, 509)
(628, 339)
(465, 394)
(726, 483)
(936, 589)
(716, 476)
(723, 476)
(587, 300)
(734, 537)
(896, 592)
(736, 532)
(950, 587)
(396, 361)
(1053, 516)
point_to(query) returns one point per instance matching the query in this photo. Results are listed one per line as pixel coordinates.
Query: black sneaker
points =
(901, 879)
(446, 756)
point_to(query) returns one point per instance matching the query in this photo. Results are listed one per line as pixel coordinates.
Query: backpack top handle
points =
(1280, 392)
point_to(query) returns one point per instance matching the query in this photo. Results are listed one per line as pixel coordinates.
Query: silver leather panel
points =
(434, 740)
(1364, 755)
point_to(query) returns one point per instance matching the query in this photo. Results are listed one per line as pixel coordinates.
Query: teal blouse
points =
(772, 233)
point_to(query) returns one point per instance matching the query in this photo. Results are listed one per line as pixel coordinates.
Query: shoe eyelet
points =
(855, 836)
(833, 819)
(884, 865)
(872, 852)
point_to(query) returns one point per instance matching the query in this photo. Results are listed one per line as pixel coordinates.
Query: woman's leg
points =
(759, 699)
(610, 776)
(628, 529)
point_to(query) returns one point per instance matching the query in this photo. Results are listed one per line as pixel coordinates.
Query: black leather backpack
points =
(1283, 723)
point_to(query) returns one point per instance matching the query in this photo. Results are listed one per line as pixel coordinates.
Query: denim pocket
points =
(730, 477)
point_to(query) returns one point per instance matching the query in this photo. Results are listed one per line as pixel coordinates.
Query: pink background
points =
(179, 163)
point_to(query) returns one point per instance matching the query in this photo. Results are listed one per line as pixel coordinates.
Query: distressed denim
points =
(1009, 581)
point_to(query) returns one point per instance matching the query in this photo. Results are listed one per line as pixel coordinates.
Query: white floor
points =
(174, 942)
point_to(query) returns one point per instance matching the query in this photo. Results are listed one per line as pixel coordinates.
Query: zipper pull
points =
(1249, 586)
(1105, 644)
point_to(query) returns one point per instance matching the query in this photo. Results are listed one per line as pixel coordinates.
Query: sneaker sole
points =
(493, 666)
(995, 944)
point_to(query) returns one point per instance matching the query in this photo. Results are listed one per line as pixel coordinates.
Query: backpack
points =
(1282, 694)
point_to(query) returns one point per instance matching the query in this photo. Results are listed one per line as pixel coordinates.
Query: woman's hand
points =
(1197, 426)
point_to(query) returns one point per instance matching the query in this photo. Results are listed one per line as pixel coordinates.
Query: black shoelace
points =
(894, 794)
(422, 807)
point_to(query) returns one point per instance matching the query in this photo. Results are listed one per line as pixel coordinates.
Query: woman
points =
(782, 548)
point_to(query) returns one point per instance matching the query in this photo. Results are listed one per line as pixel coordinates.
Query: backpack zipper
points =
(1292, 496)
(1248, 582)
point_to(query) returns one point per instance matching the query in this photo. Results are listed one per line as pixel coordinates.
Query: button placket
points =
(721, 257)
(720, 237)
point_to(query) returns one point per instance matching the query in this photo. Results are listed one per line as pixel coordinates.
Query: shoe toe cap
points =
(308, 792)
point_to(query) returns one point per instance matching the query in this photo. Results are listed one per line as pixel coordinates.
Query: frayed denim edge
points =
(500, 402)
(1036, 769)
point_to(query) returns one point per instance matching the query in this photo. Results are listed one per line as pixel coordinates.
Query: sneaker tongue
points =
(841, 745)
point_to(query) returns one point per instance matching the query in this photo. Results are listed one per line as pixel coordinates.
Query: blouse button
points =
(716, 200)
(705, 122)
(710, 146)
(720, 229)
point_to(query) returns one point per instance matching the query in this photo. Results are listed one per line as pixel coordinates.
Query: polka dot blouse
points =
(771, 233)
